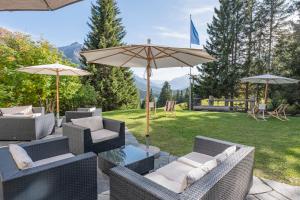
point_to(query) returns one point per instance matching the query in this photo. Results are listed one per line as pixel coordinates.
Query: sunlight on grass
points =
(277, 143)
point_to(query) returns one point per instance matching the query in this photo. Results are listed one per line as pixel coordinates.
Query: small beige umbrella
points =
(34, 5)
(268, 79)
(56, 70)
(150, 57)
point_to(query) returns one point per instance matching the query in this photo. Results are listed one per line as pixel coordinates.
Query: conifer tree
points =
(225, 36)
(115, 86)
(165, 94)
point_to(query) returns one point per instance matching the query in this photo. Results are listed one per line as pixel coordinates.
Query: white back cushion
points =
(225, 154)
(26, 110)
(197, 173)
(93, 123)
(20, 156)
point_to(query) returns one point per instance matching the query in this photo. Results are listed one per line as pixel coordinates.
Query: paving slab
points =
(290, 192)
(259, 187)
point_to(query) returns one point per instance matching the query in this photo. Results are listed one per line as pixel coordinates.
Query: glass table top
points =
(125, 155)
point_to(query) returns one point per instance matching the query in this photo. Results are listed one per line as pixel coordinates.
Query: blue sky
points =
(166, 22)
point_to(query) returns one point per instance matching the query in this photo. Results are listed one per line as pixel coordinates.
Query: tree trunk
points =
(270, 37)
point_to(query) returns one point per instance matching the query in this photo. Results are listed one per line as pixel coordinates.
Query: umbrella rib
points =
(134, 53)
(47, 4)
(174, 57)
(133, 56)
(153, 59)
(124, 50)
(190, 54)
(138, 56)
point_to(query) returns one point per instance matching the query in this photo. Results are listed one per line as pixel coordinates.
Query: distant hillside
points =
(180, 83)
(72, 52)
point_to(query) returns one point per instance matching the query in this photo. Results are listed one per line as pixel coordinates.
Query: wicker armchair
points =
(71, 178)
(27, 128)
(80, 139)
(230, 180)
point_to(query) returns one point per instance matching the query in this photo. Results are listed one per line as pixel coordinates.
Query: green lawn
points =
(277, 143)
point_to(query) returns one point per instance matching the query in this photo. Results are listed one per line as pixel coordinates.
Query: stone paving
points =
(262, 189)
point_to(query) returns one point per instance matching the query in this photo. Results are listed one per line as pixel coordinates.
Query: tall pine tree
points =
(165, 94)
(220, 78)
(115, 86)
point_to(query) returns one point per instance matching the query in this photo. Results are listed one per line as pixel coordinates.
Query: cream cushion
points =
(52, 159)
(189, 162)
(198, 157)
(20, 156)
(165, 182)
(102, 135)
(225, 154)
(93, 123)
(21, 115)
(26, 110)
(176, 171)
(197, 173)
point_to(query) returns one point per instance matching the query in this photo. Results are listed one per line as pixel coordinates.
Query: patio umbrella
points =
(34, 5)
(150, 57)
(269, 79)
(56, 70)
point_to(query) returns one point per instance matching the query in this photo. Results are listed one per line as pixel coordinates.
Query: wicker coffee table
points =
(132, 157)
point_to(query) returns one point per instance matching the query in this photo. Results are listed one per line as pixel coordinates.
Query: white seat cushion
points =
(167, 183)
(102, 135)
(93, 123)
(198, 157)
(176, 171)
(225, 154)
(20, 156)
(52, 159)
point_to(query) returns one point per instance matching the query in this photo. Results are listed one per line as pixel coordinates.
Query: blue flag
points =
(194, 34)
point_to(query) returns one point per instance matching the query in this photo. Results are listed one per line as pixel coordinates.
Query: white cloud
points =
(169, 33)
(201, 10)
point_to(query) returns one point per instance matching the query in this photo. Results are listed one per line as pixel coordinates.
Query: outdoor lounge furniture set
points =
(230, 178)
(66, 167)
(25, 123)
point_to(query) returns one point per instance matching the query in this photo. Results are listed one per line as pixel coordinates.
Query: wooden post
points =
(57, 94)
(266, 93)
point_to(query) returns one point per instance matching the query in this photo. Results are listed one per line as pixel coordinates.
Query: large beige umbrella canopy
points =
(268, 79)
(150, 57)
(34, 5)
(56, 70)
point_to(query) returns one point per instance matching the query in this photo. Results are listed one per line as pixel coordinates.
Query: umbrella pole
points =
(266, 93)
(148, 98)
(57, 96)
(147, 107)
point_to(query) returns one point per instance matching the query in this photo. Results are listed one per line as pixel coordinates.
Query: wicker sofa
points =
(71, 178)
(230, 180)
(24, 128)
(82, 112)
(80, 138)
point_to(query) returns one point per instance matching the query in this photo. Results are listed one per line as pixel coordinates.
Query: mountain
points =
(180, 83)
(142, 86)
(72, 52)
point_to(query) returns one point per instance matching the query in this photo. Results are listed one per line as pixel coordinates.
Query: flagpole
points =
(190, 96)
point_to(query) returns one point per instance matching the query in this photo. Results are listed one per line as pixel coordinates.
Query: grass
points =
(277, 143)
